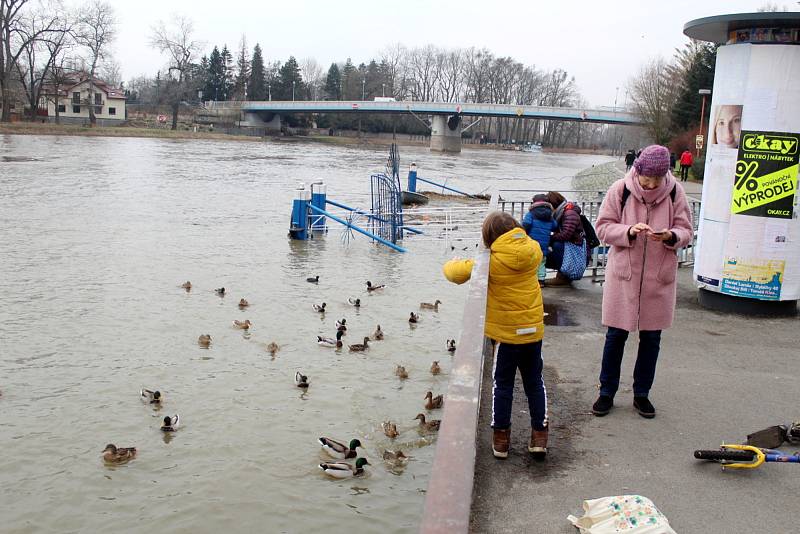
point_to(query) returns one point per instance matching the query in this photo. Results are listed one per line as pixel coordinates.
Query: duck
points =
(341, 325)
(114, 454)
(451, 345)
(243, 303)
(187, 285)
(220, 291)
(354, 302)
(319, 308)
(370, 287)
(328, 342)
(433, 403)
(170, 423)
(337, 449)
(395, 456)
(377, 335)
(242, 325)
(390, 429)
(435, 369)
(401, 372)
(272, 348)
(429, 306)
(150, 397)
(204, 340)
(313, 279)
(360, 347)
(301, 380)
(432, 425)
(344, 470)
(413, 318)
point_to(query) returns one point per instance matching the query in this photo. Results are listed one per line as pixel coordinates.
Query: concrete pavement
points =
(719, 378)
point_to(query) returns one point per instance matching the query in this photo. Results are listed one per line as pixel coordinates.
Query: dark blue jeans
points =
(645, 370)
(528, 359)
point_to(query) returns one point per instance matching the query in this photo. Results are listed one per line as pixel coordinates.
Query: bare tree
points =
(653, 96)
(96, 30)
(178, 43)
(111, 72)
(311, 71)
(393, 60)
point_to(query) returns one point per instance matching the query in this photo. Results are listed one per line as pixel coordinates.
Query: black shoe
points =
(602, 405)
(644, 407)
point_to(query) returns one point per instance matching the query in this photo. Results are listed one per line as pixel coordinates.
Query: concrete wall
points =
(443, 139)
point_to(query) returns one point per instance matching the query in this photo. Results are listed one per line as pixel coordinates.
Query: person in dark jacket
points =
(539, 224)
(673, 159)
(570, 229)
(629, 159)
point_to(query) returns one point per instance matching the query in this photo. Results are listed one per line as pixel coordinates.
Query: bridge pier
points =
(446, 133)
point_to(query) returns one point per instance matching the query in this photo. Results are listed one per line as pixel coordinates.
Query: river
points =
(96, 236)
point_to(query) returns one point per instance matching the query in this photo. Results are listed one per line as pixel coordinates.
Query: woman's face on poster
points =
(728, 126)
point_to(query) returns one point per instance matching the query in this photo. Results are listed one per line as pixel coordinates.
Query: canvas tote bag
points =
(630, 514)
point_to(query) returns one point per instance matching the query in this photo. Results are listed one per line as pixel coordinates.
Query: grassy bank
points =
(33, 128)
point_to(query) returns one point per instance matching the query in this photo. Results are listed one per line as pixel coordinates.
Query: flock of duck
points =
(335, 449)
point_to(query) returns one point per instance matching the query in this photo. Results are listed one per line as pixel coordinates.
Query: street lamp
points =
(705, 93)
(363, 89)
(616, 94)
(269, 91)
(293, 82)
(383, 90)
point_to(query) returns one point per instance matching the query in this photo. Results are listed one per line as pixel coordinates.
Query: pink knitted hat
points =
(654, 161)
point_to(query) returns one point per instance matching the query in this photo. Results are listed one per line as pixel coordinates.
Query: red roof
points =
(111, 92)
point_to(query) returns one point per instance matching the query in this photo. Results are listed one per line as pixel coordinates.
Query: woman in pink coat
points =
(644, 217)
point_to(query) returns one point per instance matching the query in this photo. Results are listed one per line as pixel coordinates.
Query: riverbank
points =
(34, 128)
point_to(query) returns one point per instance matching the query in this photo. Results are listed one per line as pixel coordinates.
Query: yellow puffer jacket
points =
(514, 311)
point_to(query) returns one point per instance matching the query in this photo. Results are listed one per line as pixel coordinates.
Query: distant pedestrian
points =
(630, 157)
(515, 322)
(673, 159)
(686, 164)
(568, 243)
(644, 217)
(539, 224)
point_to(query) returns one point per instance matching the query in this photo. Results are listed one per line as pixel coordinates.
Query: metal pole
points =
(292, 90)
(269, 88)
(702, 116)
(357, 229)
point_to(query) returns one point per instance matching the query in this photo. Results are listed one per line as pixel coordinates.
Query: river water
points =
(96, 236)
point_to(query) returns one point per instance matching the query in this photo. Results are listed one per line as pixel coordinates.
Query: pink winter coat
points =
(640, 287)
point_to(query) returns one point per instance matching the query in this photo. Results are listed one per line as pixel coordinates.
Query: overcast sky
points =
(600, 42)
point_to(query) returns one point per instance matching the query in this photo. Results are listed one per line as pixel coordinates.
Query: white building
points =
(73, 103)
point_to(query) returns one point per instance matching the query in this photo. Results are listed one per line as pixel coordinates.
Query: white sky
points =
(599, 42)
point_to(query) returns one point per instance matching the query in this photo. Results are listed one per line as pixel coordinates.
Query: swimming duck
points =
(429, 306)
(435, 369)
(114, 454)
(150, 397)
(300, 380)
(390, 429)
(319, 309)
(354, 302)
(272, 348)
(313, 279)
(451, 345)
(360, 347)
(204, 340)
(344, 470)
(242, 325)
(171, 423)
(337, 449)
(220, 291)
(401, 372)
(432, 425)
(187, 285)
(243, 303)
(433, 403)
(328, 342)
(370, 287)
(413, 318)
(377, 335)
(396, 457)
(341, 325)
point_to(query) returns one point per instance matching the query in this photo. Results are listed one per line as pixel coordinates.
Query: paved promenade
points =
(719, 378)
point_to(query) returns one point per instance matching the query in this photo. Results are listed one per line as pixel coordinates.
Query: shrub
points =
(698, 168)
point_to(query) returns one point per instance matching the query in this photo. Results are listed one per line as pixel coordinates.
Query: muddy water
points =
(97, 234)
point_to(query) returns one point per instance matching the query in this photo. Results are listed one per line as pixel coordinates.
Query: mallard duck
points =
(370, 287)
(328, 342)
(243, 303)
(114, 454)
(401, 372)
(435, 369)
(344, 470)
(413, 318)
(300, 380)
(319, 308)
(433, 403)
(377, 335)
(272, 348)
(354, 302)
(341, 325)
(390, 429)
(170, 423)
(360, 347)
(220, 291)
(242, 325)
(337, 449)
(187, 285)
(394, 456)
(432, 425)
(451, 345)
(204, 340)
(429, 306)
(313, 279)
(150, 397)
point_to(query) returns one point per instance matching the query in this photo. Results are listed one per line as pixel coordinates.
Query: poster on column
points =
(766, 174)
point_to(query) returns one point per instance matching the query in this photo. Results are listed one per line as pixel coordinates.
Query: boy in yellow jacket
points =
(514, 321)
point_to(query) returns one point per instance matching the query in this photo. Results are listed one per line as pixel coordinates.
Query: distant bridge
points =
(446, 125)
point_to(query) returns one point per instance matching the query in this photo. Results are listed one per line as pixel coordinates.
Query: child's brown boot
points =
(501, 440)
(538, 444)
